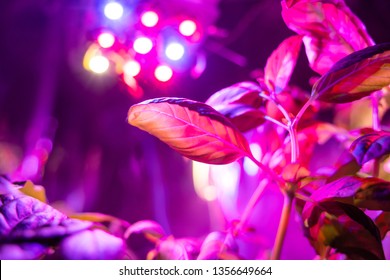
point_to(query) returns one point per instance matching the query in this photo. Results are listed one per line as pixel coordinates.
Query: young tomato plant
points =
(333, 202)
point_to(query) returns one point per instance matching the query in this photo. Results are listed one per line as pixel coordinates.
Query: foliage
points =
(331, 198)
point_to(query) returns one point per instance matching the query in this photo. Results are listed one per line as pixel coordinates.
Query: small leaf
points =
(383, 223)
(94, 244)
(152, 230)
(349, 168)
(35, 191)
(242, 116)
(294, 172)
(194, 129)
(246, 93)
(343, 227)
(331, 31)
(281, 63)
(240, 103)
(371, 146)
(218, 245)
(355, 76)
(171, 249)
(370, 193)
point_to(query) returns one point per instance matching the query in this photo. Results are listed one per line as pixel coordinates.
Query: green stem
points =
(283, 224)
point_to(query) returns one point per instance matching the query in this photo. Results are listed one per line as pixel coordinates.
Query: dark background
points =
(74, 122)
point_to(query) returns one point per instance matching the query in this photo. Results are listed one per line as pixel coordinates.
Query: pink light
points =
(163, 73)
(131, 68)
(149, 19)
(187, 27)
(106, 40)
(143, 45)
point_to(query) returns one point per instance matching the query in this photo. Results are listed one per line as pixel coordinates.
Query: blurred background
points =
(70, 70)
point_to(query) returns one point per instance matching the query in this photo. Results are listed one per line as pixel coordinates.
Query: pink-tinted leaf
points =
(172, 249)
(343, 227)
(6, 187)
(383, 223)
(152, 230)
(22, 251)
(246, 93)
(371, 146)
(331, 31)
(370, 193)
(194, 129)
(243, 117)
(218, 245)
(281, 63)
(349, 168)
(94, 244)
(355, 76)
(240, 103)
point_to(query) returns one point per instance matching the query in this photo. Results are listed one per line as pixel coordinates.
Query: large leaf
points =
(371, 146)
(281, 63)
(355, 76)
(331, 31)
(343, 227)
(370, 193)
(26, 218)
(194, 129)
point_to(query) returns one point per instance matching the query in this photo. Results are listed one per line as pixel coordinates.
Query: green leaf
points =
(194, 129)
(370, 193)
(343, 227)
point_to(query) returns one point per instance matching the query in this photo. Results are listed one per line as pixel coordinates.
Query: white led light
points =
(174, 51)
(149, 19)
(113, 10)
(163, 73)
(143, 45)
(99, 64)
(187, 27)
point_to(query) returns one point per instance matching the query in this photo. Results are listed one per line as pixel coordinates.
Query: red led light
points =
(143, 45)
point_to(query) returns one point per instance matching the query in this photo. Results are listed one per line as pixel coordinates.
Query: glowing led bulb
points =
(174, 51)
(163, 73)
(113, 10)
(143, 45)
(187, 27)
(149, 19)
(132, 68)
(99, 64)
(106, 40)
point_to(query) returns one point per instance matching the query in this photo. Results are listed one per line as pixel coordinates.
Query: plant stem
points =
(283, 224)
(251, 204)
(376, 125)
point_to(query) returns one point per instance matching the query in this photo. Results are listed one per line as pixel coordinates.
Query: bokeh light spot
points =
(163, 73)
(174, 51)
(149, 19)
(131, 68)
(106, 40)
(99, 64)
(113, 10)
(143, 45)
(187, 27)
